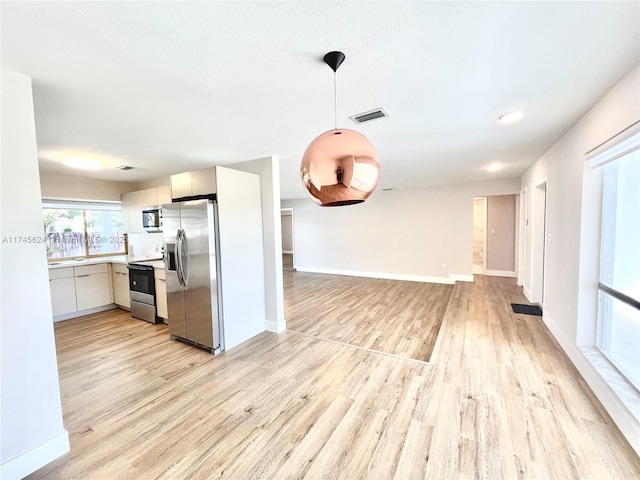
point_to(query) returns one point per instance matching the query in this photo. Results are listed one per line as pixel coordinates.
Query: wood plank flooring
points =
(500, 401)
(389, 316)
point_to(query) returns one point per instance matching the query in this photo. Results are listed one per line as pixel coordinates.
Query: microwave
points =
(152, 218)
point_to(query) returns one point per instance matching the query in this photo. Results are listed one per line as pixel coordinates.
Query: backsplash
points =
(145, 245)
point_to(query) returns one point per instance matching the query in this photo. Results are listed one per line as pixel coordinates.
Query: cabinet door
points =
(161, 299)
(203, 182)
(121, 289)
(164, 194)
(63, 295)
(132, 204)
(151, 197)
(92, 290)
(181, 185)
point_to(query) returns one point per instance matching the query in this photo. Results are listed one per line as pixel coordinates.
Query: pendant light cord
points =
(335, 102)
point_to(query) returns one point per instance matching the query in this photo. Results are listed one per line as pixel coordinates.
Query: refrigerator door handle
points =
(179, 257)
(184, 262)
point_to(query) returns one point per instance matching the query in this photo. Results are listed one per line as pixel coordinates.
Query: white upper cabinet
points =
(190, 184)
(151, 197)
(203, 182)
(132, 205)
(181, 185)
(164, 194)
(134, 202)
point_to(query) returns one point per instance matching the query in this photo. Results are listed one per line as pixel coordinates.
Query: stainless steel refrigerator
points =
(192, 263)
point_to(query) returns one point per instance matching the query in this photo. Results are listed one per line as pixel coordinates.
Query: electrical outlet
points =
(444, 265)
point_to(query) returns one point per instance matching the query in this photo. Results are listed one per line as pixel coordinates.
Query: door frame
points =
(539, 242)
(522, 228)
(286, 212)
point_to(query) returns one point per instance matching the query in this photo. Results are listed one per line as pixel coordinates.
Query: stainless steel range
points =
(142, 292)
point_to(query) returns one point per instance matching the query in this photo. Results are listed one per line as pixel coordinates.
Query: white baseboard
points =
(88, 311)
(38, 457)
(500, 273)
(273, 327)
(387, 276)
(461, 278)
(623, 418)
(527, 293)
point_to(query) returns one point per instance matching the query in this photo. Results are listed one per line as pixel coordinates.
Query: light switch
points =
(493, 230)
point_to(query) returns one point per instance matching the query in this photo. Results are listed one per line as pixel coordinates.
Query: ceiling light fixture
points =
(83, 163)
(495, 166)
(340, 167)
(511, 117)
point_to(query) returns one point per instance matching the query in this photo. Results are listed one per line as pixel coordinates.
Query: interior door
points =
(197, 224)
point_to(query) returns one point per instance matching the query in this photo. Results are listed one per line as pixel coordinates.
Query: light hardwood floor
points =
(389, 316)
(500, 400)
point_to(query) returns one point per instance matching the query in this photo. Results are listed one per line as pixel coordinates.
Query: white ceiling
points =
(173, 86)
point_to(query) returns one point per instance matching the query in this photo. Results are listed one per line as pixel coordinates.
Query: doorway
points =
(479, 234)
(288, 255)
(538, 243)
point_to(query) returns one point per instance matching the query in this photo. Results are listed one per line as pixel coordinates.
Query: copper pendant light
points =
(340, 167)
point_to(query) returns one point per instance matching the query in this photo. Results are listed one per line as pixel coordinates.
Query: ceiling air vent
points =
(368, 116)
(124, 167)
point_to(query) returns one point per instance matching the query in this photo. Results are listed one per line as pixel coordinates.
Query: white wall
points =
(241, 255)
(402, 234)
(53, 185)
(563, 168)
(32, 431)
(269, 170)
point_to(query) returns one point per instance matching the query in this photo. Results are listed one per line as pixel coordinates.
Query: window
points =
(618, 323)
(82, 230)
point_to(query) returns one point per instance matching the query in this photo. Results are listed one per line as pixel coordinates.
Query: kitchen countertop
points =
(155, 262)
(152, 263)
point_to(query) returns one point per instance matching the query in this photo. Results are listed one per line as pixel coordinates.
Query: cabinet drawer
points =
(55, 273)
(90, 269)
(119, 268)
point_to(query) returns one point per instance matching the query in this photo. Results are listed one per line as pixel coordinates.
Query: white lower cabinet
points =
(161, 294)
(93, 287)
(121, 285)
(63, 291)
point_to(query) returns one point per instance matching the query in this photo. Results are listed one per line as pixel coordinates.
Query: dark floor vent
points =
(526, 309)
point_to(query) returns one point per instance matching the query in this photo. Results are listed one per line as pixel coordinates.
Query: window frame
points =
(616, 148)
(84, 206)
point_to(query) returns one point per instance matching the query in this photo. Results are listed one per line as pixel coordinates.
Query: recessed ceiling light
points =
(82, 163)
(511, 117)
(495, 166)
